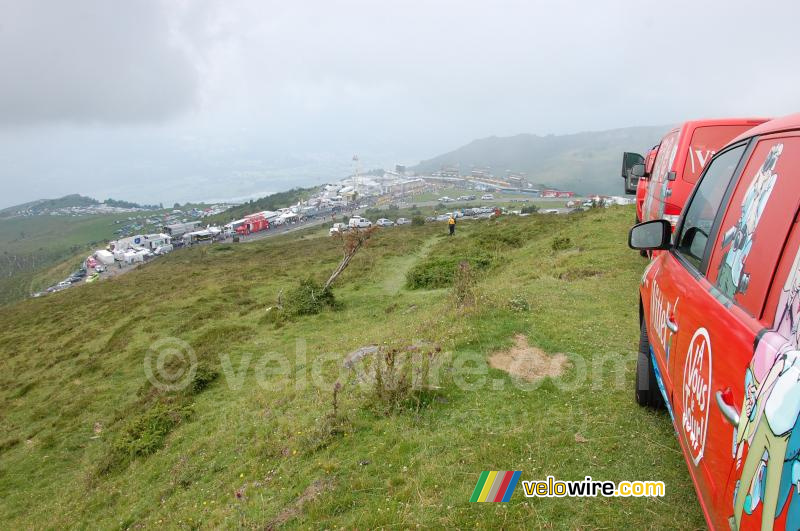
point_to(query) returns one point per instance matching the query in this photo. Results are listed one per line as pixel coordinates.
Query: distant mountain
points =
(44, 206)
(583, 162)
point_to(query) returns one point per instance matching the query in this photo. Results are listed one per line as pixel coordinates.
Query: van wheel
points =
(647, 391)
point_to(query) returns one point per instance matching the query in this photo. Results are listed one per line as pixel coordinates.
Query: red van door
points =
(696, 323)
(751, 244)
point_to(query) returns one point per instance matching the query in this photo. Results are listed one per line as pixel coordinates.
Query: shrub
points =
(399, 377)
(417, 221)
(203, 377)
(503, 234)
(308, 298)
(530, 209)
(560, 243)
(519, 304)
(464, 286)
(440, 272)
(144, 434)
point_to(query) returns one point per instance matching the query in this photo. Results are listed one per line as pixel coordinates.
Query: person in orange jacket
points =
(452, 224)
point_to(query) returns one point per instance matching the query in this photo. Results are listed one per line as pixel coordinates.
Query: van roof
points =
(785, 123)
(724, 121)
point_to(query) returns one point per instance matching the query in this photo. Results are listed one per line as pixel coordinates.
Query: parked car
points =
(338, 228)
(383, 222)
(444, 199)
(357, 222)
(487, 197)
(403, 221)
(100, 268)
(680, 158)
(719, 307)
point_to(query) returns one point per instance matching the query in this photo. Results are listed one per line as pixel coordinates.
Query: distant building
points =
(481, 173)
(405, 186)
(449, 172)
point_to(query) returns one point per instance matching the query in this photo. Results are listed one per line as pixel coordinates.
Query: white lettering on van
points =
(660, 310)
(702, 156)
(697, 393)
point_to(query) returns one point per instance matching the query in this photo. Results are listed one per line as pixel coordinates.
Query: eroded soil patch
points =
(528, 362)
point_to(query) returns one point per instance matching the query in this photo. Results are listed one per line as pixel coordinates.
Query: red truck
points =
(253, 223)
(719, 312)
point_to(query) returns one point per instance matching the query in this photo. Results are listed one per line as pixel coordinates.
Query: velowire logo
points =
(495, 486)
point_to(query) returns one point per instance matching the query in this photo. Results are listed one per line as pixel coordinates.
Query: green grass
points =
(31, 246)
(88, 442)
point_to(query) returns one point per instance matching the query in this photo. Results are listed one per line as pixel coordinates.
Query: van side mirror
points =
(651, 235)
(638, 170)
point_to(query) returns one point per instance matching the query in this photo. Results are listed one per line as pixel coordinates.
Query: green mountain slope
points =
(262, 435)
(584, 162)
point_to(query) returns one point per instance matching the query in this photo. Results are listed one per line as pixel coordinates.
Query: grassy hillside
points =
(89, 441)
(31, 245)
(584, 162)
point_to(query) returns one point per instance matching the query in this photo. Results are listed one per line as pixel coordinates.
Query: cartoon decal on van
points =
(738, 239)
(767, 426)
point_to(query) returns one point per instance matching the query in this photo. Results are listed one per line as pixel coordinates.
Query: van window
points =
(755, 227)
(705, 203)
(705, 142)
(782, 312)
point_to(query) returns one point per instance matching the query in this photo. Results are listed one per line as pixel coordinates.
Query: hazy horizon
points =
(160, 101)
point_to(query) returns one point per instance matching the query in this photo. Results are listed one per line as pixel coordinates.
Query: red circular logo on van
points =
(697, 393)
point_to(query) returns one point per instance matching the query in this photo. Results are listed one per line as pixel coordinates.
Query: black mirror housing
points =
(652, 235)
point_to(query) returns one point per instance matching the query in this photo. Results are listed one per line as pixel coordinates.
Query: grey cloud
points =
(84, 61)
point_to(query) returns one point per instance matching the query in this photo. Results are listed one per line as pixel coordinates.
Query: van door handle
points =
(672, 325)
(728, 411)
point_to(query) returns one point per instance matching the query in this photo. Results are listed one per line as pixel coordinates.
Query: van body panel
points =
(723, 320)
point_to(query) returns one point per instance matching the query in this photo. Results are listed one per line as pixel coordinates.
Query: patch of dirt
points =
(311, 493)
(528, 362)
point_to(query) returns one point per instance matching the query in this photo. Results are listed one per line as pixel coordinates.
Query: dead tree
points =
(352, 241)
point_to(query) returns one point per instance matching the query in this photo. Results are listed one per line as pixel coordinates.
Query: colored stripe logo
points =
(494, 486)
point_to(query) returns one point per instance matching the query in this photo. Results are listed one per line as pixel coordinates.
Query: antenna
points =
(357, 176)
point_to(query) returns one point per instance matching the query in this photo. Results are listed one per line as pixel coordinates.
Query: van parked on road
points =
(680, 158)
(720, 328)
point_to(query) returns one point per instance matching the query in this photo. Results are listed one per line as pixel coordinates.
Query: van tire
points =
(647, 392)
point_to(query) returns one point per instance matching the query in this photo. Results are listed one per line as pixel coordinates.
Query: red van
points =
(720, 329)
(681, 157)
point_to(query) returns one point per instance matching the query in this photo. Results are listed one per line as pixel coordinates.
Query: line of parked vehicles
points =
(718, 205)
(358, 222)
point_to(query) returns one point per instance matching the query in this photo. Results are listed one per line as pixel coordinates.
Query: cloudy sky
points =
(182, 100)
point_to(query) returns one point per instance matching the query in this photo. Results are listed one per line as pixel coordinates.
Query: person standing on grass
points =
(452, 223)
